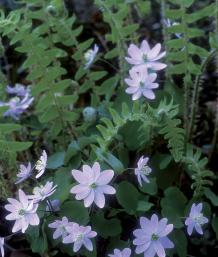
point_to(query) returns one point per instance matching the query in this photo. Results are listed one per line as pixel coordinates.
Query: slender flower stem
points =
(103, 60)
(215, 132)
(187, 75)
(10, 236)
(195, 95)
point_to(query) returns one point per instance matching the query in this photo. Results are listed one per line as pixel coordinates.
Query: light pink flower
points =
(79, 235)
(41, 164)
(93, 184)
(142, 170)
(42, 192)
(141, 83)
(117, 253)
(145, 56)
(61, 227)
(22, 211)
(25, 173)
(2, 242)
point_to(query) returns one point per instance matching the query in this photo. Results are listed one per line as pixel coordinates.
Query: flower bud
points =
(89, 114)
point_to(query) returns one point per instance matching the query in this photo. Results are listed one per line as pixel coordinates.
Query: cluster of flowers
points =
(142, 75)
(150, 239)
(19, 103)
(93, 184)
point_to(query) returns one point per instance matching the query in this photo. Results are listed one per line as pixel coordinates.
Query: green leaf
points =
(149, 188)
(14, 146)
(180, 242)
(165, 161)
(106, 227)
(75, 211)
(173, 206)
(144, 206)
(7, 128)
(37, 239)
(72, 150)
(62, 179)
(211, 196)
(56, 160)
(127, 196)
(215, 226)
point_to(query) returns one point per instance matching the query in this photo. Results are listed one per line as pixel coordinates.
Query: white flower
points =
(142, 170)
(80, 235)
(22, 211)
(42, 192)
(90, 56)
(141, 83)
(146, 57)
(61, 227)
(41, 164)
(2, 242)
(93, 184)
(25, 173)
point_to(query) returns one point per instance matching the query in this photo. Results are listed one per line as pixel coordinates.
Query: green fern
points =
(197, 169)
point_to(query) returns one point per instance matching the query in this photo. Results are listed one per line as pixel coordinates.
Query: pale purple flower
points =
(142, 170)
(90, 56)
(25, 173)
(17, 106)
(146, 57)
(61, 227)
(196, 219)
(141, 83)
(22, 211)
(151, 238)
(79, 236)
(42, 192)
(2, 242)
(55, 205)
(93, 184)
(18, 90)
(41, 164)
(126, 252)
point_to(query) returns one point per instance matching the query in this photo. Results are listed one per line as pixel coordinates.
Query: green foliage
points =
(197, 169)
(150, 119)
(50, 46)
(127, 196)
(173, 205)
(106, 227)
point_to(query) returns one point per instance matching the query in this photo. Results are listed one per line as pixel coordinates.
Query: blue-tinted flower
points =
(195, 219)
(23, 212)
(141, 83)
(17, 106)
(90, 56)
(79, 236)
(151, 238)
(41, 164)
(2, 242)
(145, 57)
(42, 192)
(93, 184)
(25, 173)
(143, 170)
(126, 252)
(55, 205)
(18, 90)
(60, 227)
